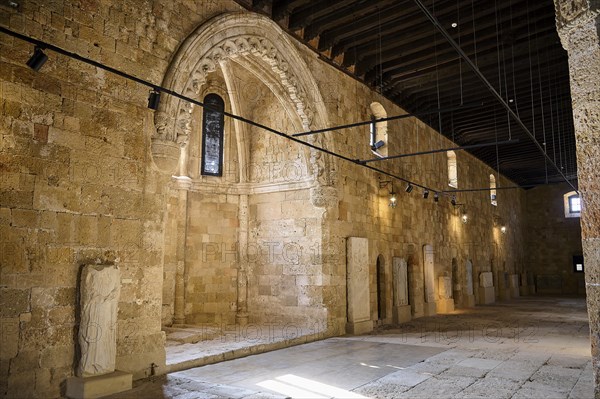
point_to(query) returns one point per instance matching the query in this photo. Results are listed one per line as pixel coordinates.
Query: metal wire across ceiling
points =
(393, 47)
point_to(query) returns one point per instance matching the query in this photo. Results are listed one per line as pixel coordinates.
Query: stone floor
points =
(527, 348)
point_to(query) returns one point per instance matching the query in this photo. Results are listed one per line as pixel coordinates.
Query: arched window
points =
(493, 190)
(452, 170)
(212, 136)
(572, 204)
(378, 137)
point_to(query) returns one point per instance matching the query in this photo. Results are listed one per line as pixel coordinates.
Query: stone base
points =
(444, 306)
(487, 295)
(402, 314)
(430, 309)
(359, 327)
(98, 386)
(524, 290)
(469, 301)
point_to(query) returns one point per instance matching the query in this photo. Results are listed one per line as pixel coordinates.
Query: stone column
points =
(241, 316)
(578, 25)
(183, 184)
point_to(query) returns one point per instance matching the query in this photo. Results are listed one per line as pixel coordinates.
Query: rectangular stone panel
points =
(357, 275)
(486, 280)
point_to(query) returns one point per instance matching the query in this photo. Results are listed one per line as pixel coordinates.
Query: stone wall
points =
(552, 241)
(79, 186)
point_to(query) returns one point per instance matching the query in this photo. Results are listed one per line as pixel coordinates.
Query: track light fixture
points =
(37, 59)
(378, 145)
(425, 194)
(409, 188)
(436, 197)
(153, 100)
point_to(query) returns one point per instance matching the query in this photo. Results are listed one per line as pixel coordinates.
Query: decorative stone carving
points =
(400, 282)
(469, 276)
(100, 289)
(568, 10)
(486, 279)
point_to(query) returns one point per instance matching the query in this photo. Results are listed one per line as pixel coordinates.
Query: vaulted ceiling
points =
(392, 46)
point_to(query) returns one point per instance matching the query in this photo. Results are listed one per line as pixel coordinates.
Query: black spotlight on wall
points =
(425, 194)
(409, 188)
(37, 60)
(436, 197)
(453, 201)
(153, 100)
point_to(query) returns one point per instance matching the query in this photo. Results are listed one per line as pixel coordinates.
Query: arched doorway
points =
(456, 286)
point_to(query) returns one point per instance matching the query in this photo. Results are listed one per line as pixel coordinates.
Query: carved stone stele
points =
(100, 289)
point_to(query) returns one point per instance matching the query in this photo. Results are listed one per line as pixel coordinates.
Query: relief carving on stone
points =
(99, 299)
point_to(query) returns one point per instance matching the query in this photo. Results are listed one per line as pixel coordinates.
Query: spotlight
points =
(153, 100)
(503, 229)
(393, 200)
(436, 197)
(453, 201)
(378, 145)
(465, 218)
(37, 59)
(425, 194)
(409, 188)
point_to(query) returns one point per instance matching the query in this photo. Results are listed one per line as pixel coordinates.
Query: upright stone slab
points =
(429, 273)
(503, 286)
(445, 303)
(470, 296)
(486, 288)
(513, 285)
(99, 300)
(523, 287)
(401, 308)
(357, 286)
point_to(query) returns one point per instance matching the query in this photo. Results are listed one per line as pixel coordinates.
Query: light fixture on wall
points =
(37, 59)
(154, 100)
(465, 217)
(503, 229)
(425, 194)
(393, 199)
(409, 188)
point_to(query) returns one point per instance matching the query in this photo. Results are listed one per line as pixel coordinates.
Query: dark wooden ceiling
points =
(395, 49)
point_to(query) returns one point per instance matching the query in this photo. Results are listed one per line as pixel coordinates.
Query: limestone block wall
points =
(77, 184)
(552, 241)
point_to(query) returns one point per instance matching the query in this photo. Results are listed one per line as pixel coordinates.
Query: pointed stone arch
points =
(231, 36)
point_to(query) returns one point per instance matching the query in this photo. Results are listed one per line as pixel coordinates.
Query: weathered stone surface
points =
(357, 279)
(400, 275)
(486, 280)
(100, 290)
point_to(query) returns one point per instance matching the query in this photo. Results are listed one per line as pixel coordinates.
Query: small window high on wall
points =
(212, 136)
(452, 169)
(493, 199)
(572, 204)
(378, 137)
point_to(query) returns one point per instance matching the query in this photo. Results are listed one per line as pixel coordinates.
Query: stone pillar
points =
(241, 316)
(400, 283)
(357, 285)
(183, 184)
(578, 25)
(99, 300)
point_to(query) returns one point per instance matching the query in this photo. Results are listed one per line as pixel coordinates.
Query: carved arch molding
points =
(223, 37)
